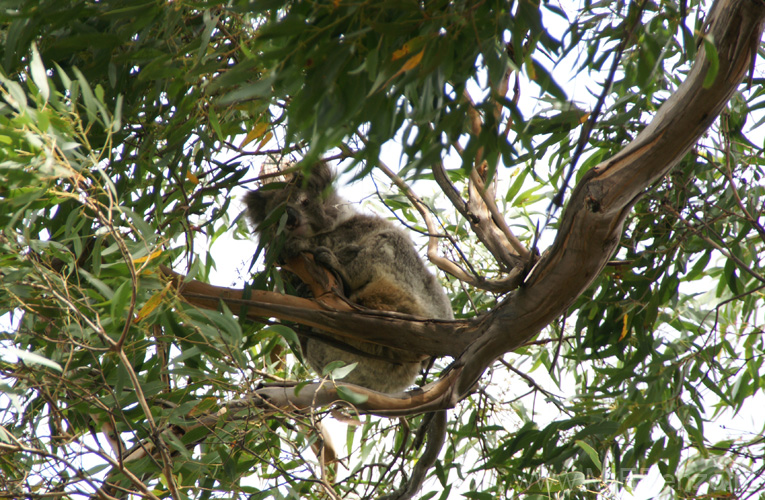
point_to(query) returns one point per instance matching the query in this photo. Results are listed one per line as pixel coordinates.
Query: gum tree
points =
(604, 258)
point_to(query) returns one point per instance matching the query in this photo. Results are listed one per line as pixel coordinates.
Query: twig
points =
(714, 244)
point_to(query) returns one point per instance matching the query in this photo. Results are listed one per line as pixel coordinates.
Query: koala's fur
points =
(377, 262)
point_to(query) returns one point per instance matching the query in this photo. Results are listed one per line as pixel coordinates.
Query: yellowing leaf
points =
(624, 329)
(584, 118)
(204, 407)
(193, 178)
(402, 52)
(152, 255)
(253, 134)
(413, 61)
(264, 141)
(150, 305)
(532, 72)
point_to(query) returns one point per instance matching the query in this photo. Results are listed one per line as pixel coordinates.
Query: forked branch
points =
(590, 229)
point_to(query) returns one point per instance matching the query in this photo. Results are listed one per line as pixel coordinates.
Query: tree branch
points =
(333, 314)
(590, 230)
(591, 224)
(509, 282)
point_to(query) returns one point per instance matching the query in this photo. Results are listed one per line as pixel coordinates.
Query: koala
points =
(376, 261)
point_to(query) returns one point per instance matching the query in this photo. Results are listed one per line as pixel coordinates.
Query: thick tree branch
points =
(591, 225)
(334, 315)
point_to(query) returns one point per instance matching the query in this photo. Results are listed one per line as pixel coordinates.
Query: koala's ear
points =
(256, 202)
(322, 177)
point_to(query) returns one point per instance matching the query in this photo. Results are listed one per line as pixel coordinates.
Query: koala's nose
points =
(293, 217)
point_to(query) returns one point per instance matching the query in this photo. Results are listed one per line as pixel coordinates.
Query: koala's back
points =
(375, 256)
(384, 272)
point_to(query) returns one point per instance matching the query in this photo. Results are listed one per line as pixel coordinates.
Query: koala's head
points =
(308, 202)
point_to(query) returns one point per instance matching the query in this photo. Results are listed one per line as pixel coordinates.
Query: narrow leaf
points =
(591, 453)
(39, 76)
(32, 358)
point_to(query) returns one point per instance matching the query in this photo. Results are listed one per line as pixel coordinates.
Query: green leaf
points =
(590, 453)
(120, 302)
(31, 358)
(714, 62)
(347, 394)
(39, 75)
(338, 370)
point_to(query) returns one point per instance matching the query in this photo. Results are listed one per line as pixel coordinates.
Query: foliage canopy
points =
(129, 128)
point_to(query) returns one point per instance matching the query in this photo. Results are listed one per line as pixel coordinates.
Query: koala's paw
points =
(327, 259)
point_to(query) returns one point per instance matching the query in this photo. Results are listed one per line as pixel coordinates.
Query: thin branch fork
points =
(500, 240)
(487, 233)
(482, 225)
(509, 282)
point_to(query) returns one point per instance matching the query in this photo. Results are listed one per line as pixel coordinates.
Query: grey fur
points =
(377, 262)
